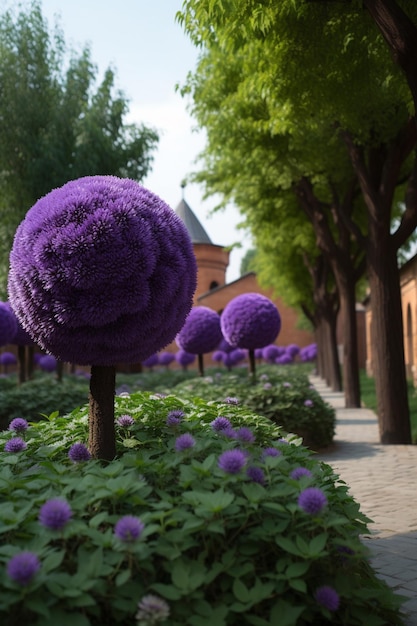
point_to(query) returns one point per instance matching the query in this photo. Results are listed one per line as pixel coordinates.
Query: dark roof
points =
(195, 229)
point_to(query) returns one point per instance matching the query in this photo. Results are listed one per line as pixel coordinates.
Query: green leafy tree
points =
(348, 91)
(56, 123)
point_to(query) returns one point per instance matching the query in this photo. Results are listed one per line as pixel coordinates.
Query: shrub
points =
(40, 396)
(219, 532)
(284, 395)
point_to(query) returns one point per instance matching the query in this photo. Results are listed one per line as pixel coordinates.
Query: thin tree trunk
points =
(252, 363)
(351, 382)
(200, 364)
(102, 436)
(388, 347)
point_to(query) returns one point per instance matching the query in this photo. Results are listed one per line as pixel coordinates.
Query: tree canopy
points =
(57, 124)
(305, 96)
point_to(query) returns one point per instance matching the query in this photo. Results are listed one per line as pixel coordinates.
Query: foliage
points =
(40, 396)
(218, 547)
(279, 393)
(57, 123)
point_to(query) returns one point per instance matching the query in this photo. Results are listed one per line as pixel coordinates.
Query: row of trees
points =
(56, 121)
(311, 132)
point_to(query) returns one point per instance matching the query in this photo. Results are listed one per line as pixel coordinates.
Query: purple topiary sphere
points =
(250, 321)
(8, 324)
(201, 332)
(102, 271)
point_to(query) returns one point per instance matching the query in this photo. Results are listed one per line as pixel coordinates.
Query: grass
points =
(368, 396)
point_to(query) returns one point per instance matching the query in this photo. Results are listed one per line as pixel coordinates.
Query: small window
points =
(213, 284)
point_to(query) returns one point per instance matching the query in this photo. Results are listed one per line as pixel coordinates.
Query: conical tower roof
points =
(193, 225)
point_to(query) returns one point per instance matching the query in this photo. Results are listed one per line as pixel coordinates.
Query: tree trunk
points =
(102, 436)
(200, 364)
(333, 373)
(388, 345)
(252, 363)
(351, 384)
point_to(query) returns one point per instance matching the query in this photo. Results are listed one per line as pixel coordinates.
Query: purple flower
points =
(270, 353)
(327, 597)
(184, 442)
(267, 386)
(201, 332)
(256, 474)
(232, 461)
(129, 528)
(245, 434)
(174, 417)
(166, 358)
(308, 402)
(250, 321)
(152, 609)
(284, 441)
(151, 361)
(298, 472)
(55, 513)
(231, 400)
(18, 424)
(17, 444)
(22, 567)
(220, 423)
(78, 453)
(125, 421)
(286, 385)
(312, 500)
(102, 271)
(271, 452)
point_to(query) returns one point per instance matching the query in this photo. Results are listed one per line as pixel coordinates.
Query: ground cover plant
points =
(209, 515)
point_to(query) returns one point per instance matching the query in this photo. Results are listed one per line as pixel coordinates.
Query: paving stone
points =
(382, 480)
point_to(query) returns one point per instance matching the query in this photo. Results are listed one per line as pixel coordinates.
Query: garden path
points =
(382, 479)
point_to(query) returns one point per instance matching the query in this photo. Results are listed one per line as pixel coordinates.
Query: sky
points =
(150, 53)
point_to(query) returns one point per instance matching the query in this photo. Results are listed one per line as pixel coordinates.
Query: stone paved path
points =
(383, 479)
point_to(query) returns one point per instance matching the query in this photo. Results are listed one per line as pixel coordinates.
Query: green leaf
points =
(122, 577)
(167, 591)
(240, 591)
(285, 614)
(317, 544)
(295, 570)
(288, 546)
(53, 560)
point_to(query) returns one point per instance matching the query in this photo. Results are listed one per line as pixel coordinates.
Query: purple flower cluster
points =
(312, 500)
(47, 363)
(232, 461)
(271, 452)
(55, 514)
(220, 423)
(79, 453)
(308, 353)
(299, 472)
(166, 358)
(22, 567)
(19, 425)
(102, 271)
(231, 400)
(184, 442)
(201, 332)
(174, 417)
(129, 528)
(308, 403)
(250, 321)
(7, 358)
(256, 474)
(327, 597)
(152, 609)
(125, 421)
(245, 434)
(16, 444)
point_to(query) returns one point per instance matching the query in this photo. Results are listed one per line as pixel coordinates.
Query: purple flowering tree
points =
(8, 324)
(200, 334)
(250, 321)
(102, 272)
(184, 358)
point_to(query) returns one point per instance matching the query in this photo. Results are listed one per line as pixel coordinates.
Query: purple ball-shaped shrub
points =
(292, 349)
(284, 359)
(166, 358)
(151, 361)
(250, 321)
(201, 332)
(8, 358)
(8, 324)
(47, 363)
(102, 271)
(184, 358)
(270, 353)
